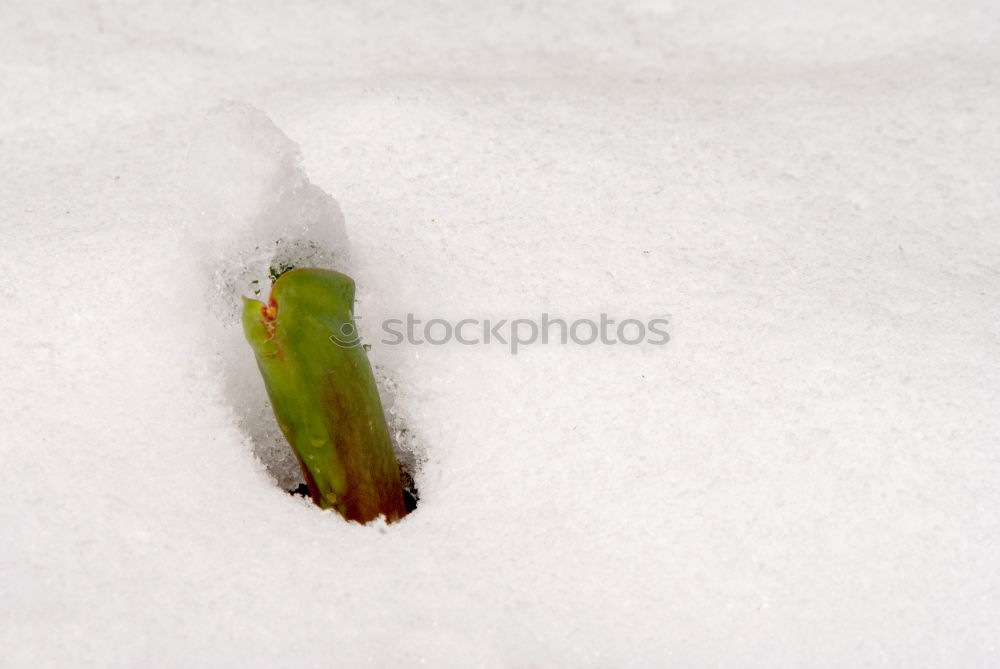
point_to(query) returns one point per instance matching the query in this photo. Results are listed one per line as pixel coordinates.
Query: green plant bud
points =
(324, 395)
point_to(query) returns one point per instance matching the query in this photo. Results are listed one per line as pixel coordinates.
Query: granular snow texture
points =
(806, 474)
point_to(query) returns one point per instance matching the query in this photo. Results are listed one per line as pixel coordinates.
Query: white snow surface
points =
(807, 474)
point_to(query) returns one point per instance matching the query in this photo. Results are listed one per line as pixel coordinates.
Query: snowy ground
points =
(807, 474)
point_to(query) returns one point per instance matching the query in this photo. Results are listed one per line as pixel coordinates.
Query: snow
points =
(805, 475)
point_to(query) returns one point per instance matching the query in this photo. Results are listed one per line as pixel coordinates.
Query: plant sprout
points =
(323, 393)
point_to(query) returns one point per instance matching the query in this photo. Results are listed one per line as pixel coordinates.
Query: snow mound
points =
(257, 215)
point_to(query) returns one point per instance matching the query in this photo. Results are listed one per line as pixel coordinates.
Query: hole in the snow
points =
(410, 493)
